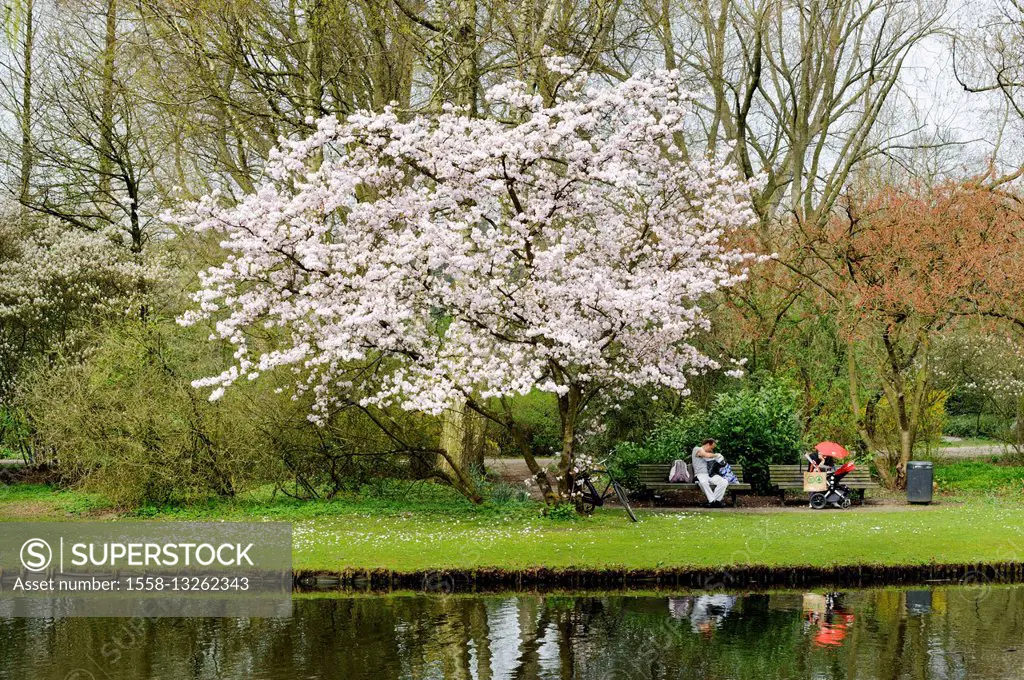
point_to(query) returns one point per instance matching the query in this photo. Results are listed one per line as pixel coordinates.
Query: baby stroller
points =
(823, 459)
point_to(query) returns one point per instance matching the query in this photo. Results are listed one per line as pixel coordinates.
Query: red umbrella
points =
(831, 450)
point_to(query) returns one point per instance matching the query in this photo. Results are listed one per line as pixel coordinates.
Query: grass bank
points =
(974, 477)
(979, 532)
(416, 528)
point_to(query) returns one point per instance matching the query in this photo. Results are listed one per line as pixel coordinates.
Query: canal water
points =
(945, 632)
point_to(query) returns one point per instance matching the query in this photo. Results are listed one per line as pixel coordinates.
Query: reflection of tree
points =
(479, 633)
(566, 635)
(529, 626)
(454, 632)
(965, 635)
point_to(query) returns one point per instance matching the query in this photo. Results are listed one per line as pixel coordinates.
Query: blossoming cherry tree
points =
(448, 261)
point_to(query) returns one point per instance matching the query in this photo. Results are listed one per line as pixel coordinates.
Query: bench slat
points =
(682, 486)
(655, 476)
(852, 485)
(783, 476)
(662, 467)
(792, 477)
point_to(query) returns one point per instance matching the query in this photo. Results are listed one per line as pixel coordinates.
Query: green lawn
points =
(965, 442)
(977, 476)
(949, 534)
(425, 527)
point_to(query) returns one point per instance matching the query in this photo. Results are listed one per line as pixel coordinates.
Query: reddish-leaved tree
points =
(898, 266)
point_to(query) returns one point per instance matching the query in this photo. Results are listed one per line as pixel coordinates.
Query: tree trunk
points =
(568, 413)
(906, 452)
(26, 105)
(866, 422)
(538, 77)
(314, 57)
(866, 435)
(393, 57)
(107, 99)
(464, 441)
(1018, 427)
(665, 34)
(466, 71)
(906, 438)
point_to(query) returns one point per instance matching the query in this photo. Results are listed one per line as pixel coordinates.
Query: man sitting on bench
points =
(713, 485)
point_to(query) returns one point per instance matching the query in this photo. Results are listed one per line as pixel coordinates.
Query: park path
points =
(513, 470)
(971, 451)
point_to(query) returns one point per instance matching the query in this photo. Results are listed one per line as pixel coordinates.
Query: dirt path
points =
(513, 470)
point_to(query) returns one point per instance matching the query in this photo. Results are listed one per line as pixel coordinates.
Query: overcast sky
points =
(974, 119)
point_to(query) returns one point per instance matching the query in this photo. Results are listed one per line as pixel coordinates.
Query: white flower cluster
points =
(54, 282)
(988, 363)
(449, 256)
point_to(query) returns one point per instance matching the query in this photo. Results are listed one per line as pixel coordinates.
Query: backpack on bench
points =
(680, 473)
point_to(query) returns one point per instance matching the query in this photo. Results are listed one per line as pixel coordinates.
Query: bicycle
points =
(590, 498)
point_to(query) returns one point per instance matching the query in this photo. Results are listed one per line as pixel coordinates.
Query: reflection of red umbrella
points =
(833, 634)
(831, 450)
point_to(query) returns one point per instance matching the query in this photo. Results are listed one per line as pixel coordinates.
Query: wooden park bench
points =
(655, 478)
(790, 477)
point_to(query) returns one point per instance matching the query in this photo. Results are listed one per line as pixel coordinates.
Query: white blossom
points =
(55, 282)
(440, 257)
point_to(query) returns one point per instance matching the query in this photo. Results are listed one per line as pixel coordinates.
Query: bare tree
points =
(18, 89)
(989, 60)
(800, 88)
(92, 163)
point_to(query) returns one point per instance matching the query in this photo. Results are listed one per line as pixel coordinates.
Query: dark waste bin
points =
(919, 602)
(919, 481)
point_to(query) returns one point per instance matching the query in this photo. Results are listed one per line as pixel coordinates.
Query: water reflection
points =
(915, 634)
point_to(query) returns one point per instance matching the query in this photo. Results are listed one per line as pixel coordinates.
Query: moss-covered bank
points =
(728, 578)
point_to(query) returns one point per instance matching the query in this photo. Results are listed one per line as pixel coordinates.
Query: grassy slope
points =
(425, 528)
(974, 533)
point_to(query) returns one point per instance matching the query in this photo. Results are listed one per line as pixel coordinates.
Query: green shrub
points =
(537, 413)
(497, 492)
(635, 417)
(758, 426)
(15, 433)
(755, 426)
(126, 422)
(973, 426)
(501, 494)
(563, 512)
(624, 463)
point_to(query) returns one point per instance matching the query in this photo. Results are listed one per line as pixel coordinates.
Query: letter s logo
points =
(36, 555)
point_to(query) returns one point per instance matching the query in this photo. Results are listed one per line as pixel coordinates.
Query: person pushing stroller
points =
(823, 459)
